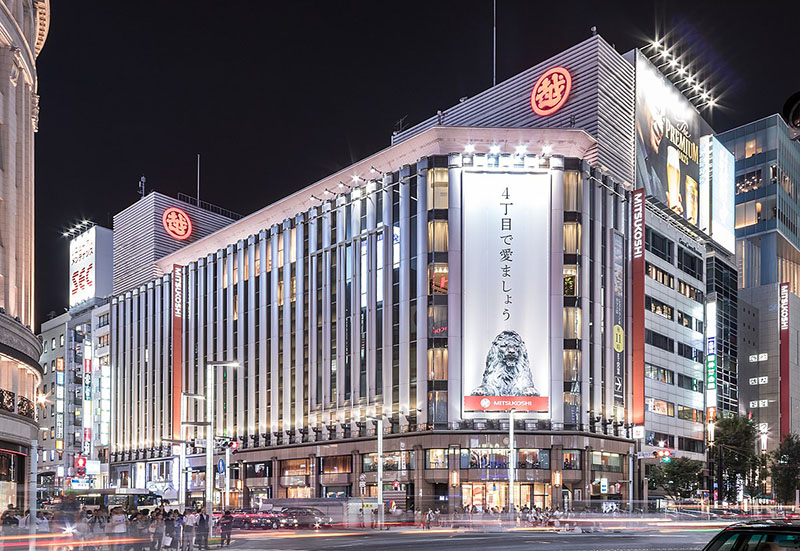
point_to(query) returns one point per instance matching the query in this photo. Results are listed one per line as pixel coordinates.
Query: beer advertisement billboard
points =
(668, 132)
(506, 291)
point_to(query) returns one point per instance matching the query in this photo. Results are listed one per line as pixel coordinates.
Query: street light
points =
(379, 422)
(210, 404)
(511, 461)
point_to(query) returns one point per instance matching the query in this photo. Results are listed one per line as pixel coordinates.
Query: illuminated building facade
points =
(23, 30)
(486, 238)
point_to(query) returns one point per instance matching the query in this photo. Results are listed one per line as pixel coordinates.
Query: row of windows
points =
(666, 311)
(663, 407)
(654, 338)
(52, 343)
(664, 248)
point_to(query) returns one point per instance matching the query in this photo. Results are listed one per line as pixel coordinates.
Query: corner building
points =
(486, 240)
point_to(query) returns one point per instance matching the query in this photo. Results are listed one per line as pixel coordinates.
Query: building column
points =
(313, 477)
(557, 464)
(355, 490)
(276, 477)
(420, 500)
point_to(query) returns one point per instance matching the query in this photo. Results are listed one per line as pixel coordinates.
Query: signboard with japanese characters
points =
(506, 244)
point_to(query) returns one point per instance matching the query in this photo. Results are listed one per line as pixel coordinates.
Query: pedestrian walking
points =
(202, 528)
(226, 527)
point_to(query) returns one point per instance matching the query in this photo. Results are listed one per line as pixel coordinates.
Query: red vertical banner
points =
(637, 305)
(177, 349)
(783, 320)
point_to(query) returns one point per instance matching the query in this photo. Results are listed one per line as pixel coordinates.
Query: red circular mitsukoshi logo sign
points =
(551, 91)
(177, 223)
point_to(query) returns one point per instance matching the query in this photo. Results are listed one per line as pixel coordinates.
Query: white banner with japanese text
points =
(506, 288)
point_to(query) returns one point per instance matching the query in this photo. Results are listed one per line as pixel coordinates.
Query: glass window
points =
(691, 444)
(44, 349)
(336, 464)
(489, 458)
(573, 194)
(61, 340)
(658, 245)
(436, 459)
(572, 238)
(257, 470)
(606, 461)
(437, 188)
(659, 341)
(572, 365)
(657, 274)
(659, 439)
(437, 320)
(53, 343)
(437, 279)
(690, 414)
(660, 374)
(572, 460)
(438, 236)
(690, 383)
(690, 263)
(689, 291)
(660, 407)
(572, 323)
(749, 181)
(295, 467)
(392, 461)
(437, 364)
(571, 283)
(750, 148)
(533, 459)
(657, 307)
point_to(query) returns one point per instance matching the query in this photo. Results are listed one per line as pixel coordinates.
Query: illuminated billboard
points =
(506, 244)
(668, 132)
(90, 265)
(82, 267)
(723, 175)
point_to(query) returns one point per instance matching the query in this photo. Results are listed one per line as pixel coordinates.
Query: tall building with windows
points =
(23, 30)
(767, 203)
(501, 255)
(768, 256)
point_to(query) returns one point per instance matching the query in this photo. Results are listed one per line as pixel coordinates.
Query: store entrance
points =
(493, 496)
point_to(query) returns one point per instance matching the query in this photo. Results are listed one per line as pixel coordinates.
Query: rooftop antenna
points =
(142, 180)
(494, 42)
(198, 179)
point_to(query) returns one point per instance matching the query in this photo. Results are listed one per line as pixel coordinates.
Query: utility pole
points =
(227, 477)
(33, 495)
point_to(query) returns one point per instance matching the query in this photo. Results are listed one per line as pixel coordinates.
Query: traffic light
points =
(80, 465)
(232, 444)
(664, 455)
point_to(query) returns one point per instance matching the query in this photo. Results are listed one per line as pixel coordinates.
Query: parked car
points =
(760, 535)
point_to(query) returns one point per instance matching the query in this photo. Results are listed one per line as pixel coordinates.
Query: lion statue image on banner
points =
(508, 370)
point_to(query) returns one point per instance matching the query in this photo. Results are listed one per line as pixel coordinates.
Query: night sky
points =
(276, 95)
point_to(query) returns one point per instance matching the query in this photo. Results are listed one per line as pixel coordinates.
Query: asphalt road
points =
(418, 540)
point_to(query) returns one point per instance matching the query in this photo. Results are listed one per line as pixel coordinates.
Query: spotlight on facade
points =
(495, 149)
(547, 149)
(521, 149)
(469, 148)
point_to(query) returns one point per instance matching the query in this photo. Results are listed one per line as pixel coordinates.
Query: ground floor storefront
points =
(446, 470)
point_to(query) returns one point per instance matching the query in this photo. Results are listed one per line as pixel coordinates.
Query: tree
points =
(679, 478)
(785, 468)
(734, 450)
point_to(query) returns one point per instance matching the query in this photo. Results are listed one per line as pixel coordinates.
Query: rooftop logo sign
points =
(551, 91)
(177, 223)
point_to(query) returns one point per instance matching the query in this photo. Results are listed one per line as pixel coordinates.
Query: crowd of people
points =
(157, 529)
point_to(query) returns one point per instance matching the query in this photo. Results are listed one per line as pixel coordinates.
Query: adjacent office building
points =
(495, 257)
(76, 410)
(23, 30)
(767, 172)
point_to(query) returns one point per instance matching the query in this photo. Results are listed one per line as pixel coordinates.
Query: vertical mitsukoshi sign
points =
(177, 349)
(783, 320)
(506, 291)
(637, 303)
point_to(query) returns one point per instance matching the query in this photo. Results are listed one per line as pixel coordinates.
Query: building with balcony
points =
(23, 30)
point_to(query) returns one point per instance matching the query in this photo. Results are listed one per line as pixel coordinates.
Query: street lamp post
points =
(227, 477)
(511, 461)
(379, 427)
(210, 405)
